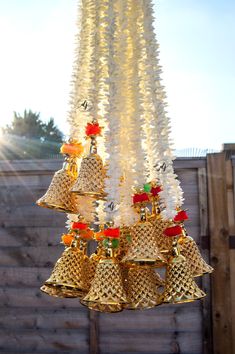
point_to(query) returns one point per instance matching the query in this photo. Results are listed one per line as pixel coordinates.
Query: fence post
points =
(220, 255)
(230, 177)
(205, 246)
(94, 332)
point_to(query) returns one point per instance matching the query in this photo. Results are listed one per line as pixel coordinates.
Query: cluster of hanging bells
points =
(139, 267)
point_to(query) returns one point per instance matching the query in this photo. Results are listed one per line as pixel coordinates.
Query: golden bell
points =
(107, 292)
(124, 242)
(143, 248)
(164, 243)
(93, 262)
(142, 291)
(51, 290)
(58, 195)
(60, 291)
(191, 252)
(91, 176)
(70, 273)
(180, 286)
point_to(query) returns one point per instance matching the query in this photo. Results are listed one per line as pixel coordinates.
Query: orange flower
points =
(67, 239)
(99, 236)
(87, 234)
(73, 149)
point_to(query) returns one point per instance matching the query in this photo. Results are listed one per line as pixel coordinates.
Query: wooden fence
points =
(32, 322)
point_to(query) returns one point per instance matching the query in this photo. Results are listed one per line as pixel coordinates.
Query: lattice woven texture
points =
(143, 247)
(93, 262)
(164, 243)
(123, 241)
(103, 307)
(196, 263)
(91, 177)
(180, 286)
(142, 290)
(107, 286)
(60, 291)
(71, 271)
(58, 195)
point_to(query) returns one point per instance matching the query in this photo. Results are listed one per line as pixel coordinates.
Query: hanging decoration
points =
(117, 185)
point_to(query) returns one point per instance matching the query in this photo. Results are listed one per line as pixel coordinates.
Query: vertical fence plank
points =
(230, 178)
(219, 247)
(206, 303)
(94, 332)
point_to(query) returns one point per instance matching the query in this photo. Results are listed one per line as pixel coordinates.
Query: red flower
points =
(156, 190)
(139, 198)
(181, 216)
(78, 226)
(173, 231)
(93, 129)
(112, 233)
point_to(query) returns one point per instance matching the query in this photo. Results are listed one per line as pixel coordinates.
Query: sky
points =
(197, 54)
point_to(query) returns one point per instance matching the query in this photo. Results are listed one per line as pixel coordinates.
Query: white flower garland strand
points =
(125, 214)
(84, 71)
(84, 74)
(112, 136)
(136, 112)
(172, 196)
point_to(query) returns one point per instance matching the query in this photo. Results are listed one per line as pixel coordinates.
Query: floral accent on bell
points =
(112, 232)
(140, 198)
(181, 216)
(155, 190)
(93, 129)
(79, 226)
(172, 231)
(67, 239)
(82, 230)
(99, 236)
(72, 148)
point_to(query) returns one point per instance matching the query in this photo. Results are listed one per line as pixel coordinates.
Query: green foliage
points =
(28, 137)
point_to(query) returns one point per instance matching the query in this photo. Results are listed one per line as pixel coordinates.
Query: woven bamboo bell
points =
(191, 252)
(107, 292)
(51, 290)
(69, 275)
(142, 290)
(94, 260)
(164, 243)
(91, 175)
(58, 195)
(143, 248)
(124, 241)
(60, 291)
(180, 286)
